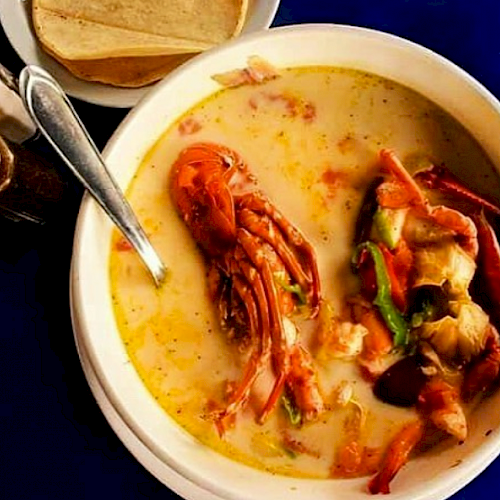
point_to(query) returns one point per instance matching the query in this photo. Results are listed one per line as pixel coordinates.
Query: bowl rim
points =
(81, 314)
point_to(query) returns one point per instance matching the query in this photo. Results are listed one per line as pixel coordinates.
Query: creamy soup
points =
(312, 138)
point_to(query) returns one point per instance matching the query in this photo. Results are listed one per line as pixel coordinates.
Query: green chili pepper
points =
(292, 411)
(383, 300)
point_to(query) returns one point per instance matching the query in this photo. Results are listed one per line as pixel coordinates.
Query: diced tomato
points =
(334, 179)
(123, 245)
(378, 342)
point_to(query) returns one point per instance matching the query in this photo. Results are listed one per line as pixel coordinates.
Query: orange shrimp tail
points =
(440, 402)
(396, 457)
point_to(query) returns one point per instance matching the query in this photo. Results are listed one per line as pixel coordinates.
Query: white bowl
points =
(15, 16)
(181, 462)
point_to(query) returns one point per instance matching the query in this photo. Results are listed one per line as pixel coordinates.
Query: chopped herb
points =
(383, 300)
(295, 288)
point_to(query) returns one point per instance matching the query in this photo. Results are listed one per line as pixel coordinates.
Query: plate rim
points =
(16, 23)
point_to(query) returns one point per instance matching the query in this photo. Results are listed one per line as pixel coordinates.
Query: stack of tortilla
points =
(131, 43)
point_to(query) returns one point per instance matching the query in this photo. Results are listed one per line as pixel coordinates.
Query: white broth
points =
(312, 138)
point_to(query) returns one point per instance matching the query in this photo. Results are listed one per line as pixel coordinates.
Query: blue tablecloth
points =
(54, 441)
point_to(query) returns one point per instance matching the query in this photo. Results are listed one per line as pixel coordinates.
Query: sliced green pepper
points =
(294, 413)
(383, 300)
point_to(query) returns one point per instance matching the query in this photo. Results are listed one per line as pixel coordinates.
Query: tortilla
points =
(98, 29)
(124, 71)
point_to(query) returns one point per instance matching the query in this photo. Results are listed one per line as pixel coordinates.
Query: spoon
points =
(56, 118)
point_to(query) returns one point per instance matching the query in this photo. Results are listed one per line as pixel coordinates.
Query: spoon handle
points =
(56, 118)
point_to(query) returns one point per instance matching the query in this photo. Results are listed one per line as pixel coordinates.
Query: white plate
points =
(15, 16)
(434, 476)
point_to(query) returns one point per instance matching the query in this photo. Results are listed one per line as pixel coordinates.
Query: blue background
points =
(54, 441)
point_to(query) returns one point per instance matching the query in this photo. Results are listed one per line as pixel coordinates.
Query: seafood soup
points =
(279, 339)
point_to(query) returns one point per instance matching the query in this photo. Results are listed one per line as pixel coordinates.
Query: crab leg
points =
(256, 202)
(440, 178)
(300, 378)
(489, 262)
(281, 360)
(239, 396)
(485, 370)
(257, 311)
(264, 228)
(283, 347)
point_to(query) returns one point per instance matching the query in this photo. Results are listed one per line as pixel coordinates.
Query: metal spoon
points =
(56, 118)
